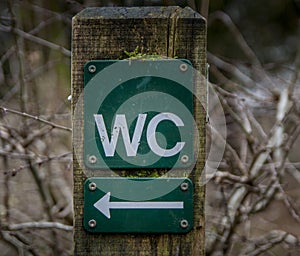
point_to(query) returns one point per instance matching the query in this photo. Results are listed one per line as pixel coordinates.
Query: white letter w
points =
(120, 123)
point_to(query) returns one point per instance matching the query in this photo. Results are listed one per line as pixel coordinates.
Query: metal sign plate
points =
(138, 114)
(161, 206)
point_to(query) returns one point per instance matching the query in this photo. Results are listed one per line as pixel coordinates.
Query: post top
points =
(136, 12)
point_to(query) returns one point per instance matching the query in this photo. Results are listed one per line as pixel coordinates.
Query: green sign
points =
(138, 114)
(113, 205)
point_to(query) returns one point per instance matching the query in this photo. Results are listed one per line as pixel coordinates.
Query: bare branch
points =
(37, 40)
(257, 67)
(40, 160)
(229, 176)
(39, 225)
(231, 69)
(53, 125)
(236, 33)
(268, 241)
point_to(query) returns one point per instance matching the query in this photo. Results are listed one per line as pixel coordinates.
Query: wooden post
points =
(105, 33)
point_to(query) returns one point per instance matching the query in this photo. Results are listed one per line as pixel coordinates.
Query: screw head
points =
(183, 67)
(184, 223)
(92, 68)
(92, 159)
(92, 186)
(184, 159)
(184, 186)
(92, 223)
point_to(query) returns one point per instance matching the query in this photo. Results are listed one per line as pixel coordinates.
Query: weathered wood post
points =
(105, 34)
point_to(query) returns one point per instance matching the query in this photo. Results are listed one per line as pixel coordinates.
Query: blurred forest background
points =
(253, 200)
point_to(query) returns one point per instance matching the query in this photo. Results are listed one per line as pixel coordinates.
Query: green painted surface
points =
(119, 205)
(156, 89)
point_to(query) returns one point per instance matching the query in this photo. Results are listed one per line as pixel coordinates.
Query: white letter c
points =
(151, 138)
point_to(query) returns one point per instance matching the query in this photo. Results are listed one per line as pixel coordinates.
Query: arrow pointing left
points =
(104, 205)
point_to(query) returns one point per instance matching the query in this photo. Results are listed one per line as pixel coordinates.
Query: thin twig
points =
(53, 125)
(247, 81)
(41, 161)
(236, 158)
(38, 225)
(266, 242)
(35, 39)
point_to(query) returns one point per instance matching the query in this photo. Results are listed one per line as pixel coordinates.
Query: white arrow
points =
(104, 205)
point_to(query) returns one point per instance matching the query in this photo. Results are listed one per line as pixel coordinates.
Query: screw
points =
(184, 159)
(183, 67)
(92, 186)
(184, 186)
(92, 159)
(184, 223)
(92, 223)
(92, 68)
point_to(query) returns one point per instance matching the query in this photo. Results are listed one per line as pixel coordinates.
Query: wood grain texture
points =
(105, 33)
